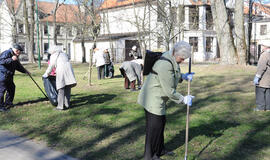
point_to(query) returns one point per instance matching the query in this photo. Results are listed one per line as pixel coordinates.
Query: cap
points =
(134, 48)
(17, 46)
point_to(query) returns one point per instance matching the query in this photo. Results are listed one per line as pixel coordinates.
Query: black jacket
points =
(8, 66)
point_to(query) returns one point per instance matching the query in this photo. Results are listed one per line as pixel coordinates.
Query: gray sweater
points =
(263, 69)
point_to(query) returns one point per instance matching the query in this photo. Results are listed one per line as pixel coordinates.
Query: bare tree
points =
(88, 25)
(224, 33)
(169, 21)
(57, 4)
(29, 29)
(13, 12)
(107, 26)
(240, 31)
(141, 23)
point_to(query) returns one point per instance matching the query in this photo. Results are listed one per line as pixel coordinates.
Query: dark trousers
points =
(262, 98)
(100, 72)
(107, 71)
(154, 140)
(128, 83)
(7, 87)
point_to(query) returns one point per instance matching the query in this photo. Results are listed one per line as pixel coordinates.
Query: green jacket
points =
(159, 88)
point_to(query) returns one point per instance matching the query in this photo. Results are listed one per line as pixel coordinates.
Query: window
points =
(159, 18)
(209, 19)
(46, 47)
(263, 29)
(193, 41)
(46, 30)
(194, 17)
(58, 29)
(20, 28)
(70, 32)
(34, 48)
(209, 44)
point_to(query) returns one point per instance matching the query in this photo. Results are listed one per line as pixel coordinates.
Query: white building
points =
(120, 32)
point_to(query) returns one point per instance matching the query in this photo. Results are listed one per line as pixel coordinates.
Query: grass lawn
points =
(105, 122)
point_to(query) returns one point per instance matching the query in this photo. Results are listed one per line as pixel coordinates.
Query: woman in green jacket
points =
(159, 87)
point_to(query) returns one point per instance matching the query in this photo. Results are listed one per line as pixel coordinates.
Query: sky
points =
(266, 1)
(72, 1)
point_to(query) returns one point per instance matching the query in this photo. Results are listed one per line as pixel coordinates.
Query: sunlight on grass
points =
(106, 123)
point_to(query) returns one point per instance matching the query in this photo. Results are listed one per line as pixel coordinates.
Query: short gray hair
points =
(182, 49)
(55, 49)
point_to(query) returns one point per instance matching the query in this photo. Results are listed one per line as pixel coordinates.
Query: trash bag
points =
(50, 88)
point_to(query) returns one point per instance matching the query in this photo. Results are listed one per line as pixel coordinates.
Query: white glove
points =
(44, 75)
(188, 100)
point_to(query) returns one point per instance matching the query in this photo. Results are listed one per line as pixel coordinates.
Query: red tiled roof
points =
(199, 2)
(117, 3)
(65, 13)
(259, 8)
(13, 3)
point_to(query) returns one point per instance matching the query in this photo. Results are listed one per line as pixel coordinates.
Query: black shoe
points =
(9, 105)
(2, 109)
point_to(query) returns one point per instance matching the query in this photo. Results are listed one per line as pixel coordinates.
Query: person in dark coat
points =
(107, 59)
(9, 62)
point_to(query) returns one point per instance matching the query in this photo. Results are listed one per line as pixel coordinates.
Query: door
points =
(128, 45)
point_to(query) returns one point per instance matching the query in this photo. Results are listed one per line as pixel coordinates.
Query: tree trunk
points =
(32, 30)
(224, 34)
(91, 64)
(14, 30)
(83, 50)
(240, 31)
(54, 22)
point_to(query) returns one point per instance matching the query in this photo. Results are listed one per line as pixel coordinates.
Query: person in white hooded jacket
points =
(100, 63)
(65, 78)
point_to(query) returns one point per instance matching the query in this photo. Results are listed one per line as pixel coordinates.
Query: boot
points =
(3, 109)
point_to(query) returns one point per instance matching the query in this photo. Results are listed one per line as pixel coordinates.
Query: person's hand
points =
(188, 100)
(44, 75)
(188, 76)
(256, 80)
(14, 58)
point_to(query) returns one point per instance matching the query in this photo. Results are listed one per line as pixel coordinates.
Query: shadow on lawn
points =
(30, 102)
(80, 99)
(252, 145)
(213, 130)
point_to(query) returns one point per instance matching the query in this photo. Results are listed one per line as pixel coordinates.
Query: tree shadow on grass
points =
(81, 99)
(214, 130)
(103, 152)
(250, 147)
(30, 102)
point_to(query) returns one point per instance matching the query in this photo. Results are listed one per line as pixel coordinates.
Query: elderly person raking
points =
(65, 78)
(9, 62)
(160, 86)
